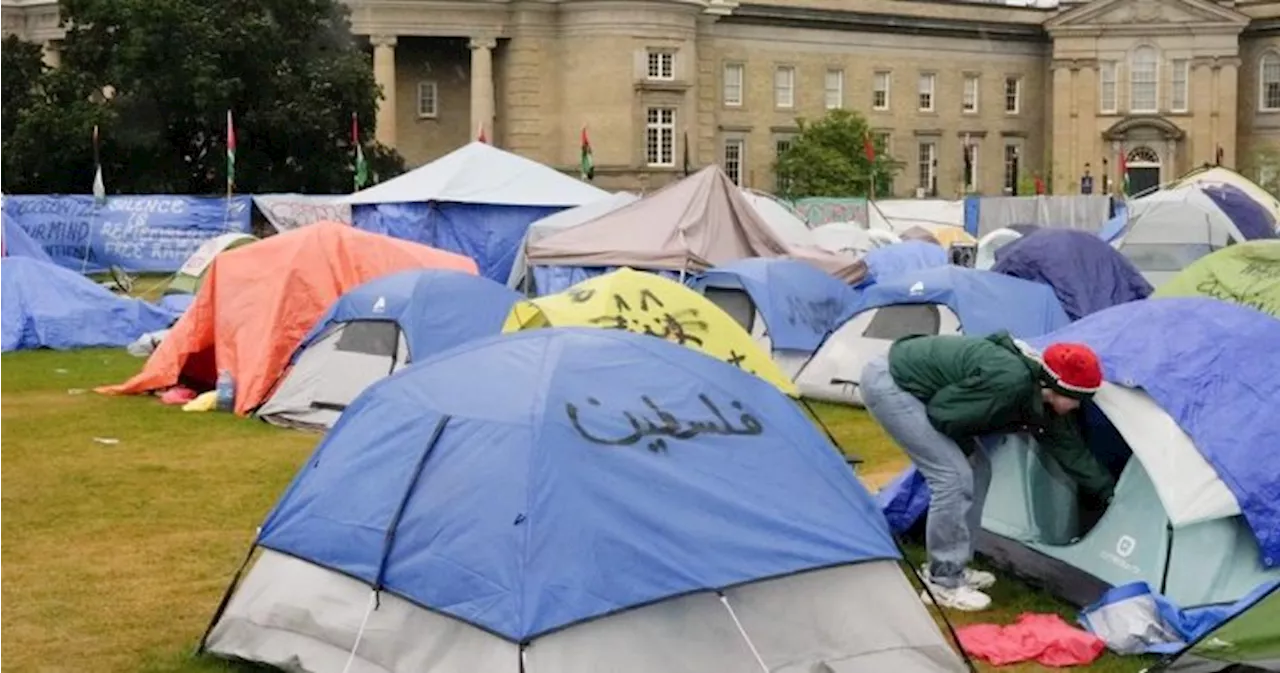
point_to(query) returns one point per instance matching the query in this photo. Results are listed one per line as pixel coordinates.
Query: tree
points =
(21, 69)
(1263, 166)
(158, 77)
(829, 158)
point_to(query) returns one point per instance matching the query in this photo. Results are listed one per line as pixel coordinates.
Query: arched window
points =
(1144, 77)
(1142, 155)
(1269, 82)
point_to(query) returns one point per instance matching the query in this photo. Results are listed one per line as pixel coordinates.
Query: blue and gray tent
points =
(1087, 274)
(574, 500)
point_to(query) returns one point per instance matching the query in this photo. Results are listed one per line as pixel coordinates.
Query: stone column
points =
(1063, 128)
(384, 73)
(1228, 88)
(52, 52)
(482, 86)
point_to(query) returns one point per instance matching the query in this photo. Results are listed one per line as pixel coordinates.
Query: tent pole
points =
(226, 597)
(951, 629)
(724, 600)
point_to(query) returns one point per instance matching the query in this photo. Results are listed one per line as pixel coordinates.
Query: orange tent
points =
(258, 301)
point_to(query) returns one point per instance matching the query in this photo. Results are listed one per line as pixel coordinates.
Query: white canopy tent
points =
(481, 173)
(560, 221)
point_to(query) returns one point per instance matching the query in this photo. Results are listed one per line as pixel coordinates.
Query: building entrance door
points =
(1143, 178)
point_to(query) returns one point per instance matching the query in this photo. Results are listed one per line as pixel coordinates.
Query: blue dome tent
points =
(47, 306)
(787, 305)
(1189, 432)
(574, 500)
(1087, 274)
(378, 328)
(942, 300)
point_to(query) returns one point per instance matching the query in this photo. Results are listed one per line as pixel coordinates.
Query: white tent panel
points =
(863, 617)
(333, 371)
(899, 215)
(297, 616)
(483, 174)
(852, 238)
(990, 243)
(203, 256)
(833, 373)
(1188, 486)
(785, 224)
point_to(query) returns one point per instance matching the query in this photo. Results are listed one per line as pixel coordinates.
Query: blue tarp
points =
(436, 309)
(1249, 216)
(17, 243)
(1114, 227)
(153, 233)
(486, 233)
(899, 258)
(798, 302)
(985, 302)
(47, 306)
(1211, 366)
(576, 472)
(1085, 272)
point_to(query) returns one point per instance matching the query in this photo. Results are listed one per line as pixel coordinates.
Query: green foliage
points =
(828, 158)
(158, 76)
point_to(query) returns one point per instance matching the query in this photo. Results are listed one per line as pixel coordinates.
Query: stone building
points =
(1163, 85)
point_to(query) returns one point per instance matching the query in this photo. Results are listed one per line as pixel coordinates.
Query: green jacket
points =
(975, 386)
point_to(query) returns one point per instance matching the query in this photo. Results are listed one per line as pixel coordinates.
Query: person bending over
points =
(935, 395)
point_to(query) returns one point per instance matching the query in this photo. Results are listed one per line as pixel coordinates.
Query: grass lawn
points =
(118, 553)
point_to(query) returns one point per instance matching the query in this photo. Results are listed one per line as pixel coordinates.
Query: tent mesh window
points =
(371, 337)
(903, 320)
(736, 303)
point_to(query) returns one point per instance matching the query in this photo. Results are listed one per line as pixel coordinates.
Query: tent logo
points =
(917, 289)
(1125, 546)
(380, 306)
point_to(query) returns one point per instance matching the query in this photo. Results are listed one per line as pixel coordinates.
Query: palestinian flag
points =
(361, 167)
(587, 164)
(231, 153)
(869, 147)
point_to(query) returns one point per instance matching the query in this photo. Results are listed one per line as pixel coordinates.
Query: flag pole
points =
(231, 168)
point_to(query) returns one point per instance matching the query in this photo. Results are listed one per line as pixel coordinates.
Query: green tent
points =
(1248, 642)
(1245, 273)
(188, 278)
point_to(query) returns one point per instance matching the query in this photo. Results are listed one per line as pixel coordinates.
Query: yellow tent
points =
(646, 303)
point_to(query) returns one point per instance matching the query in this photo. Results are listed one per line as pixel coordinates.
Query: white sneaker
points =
(977, 579)
(963, 598)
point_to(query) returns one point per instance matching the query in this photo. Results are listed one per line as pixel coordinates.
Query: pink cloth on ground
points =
(1043, 638)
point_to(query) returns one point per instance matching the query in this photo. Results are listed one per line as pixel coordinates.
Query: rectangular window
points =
(1012, 95)
(1107, 87)
(928, 165)
(780, 147)
(660, 136)
(1269, 96)
(784, 87)
(1144, 80)
(662, 65)
(927, 80)
(835, 89)
(1178, 89)
(733, 84)
(970, 102)
(970, 154)
(882, 141)
(734, 157)
(427, 100)
(880, 91)
(1011, 169)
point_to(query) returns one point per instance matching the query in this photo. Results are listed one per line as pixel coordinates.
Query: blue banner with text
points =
(136, 233)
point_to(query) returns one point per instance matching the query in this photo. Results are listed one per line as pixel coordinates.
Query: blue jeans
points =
(957, 488)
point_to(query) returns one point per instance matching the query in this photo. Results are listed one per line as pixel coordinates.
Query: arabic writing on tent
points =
(818, 316)
(1256, 294)
(647, 314)
(658, 425)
